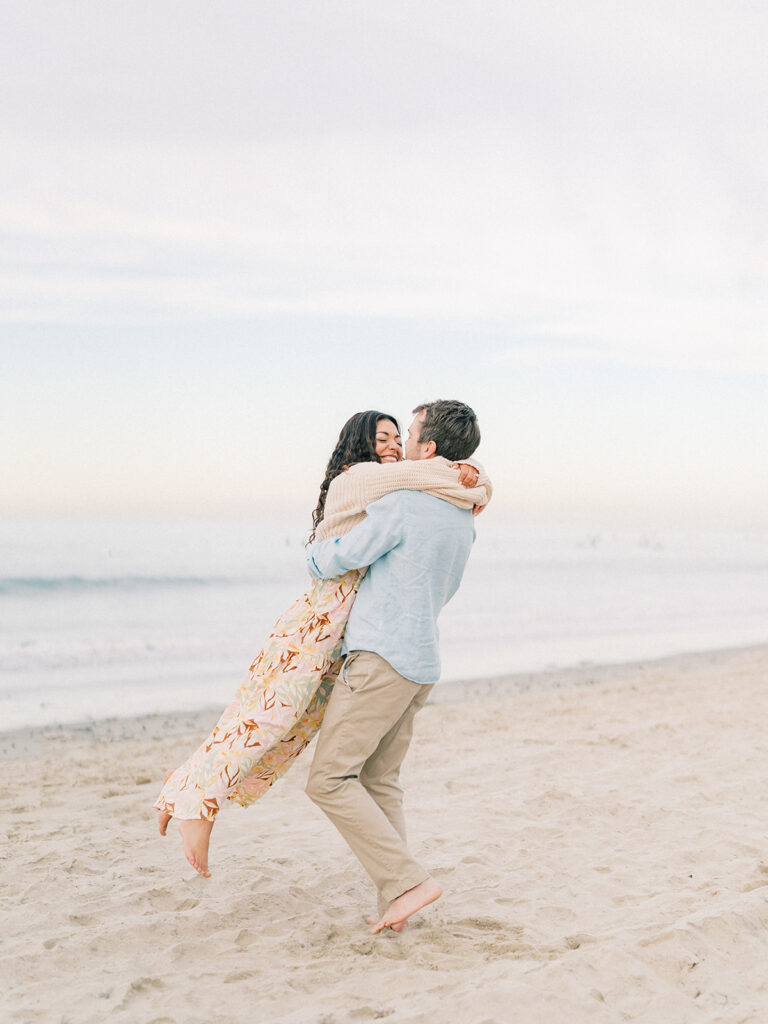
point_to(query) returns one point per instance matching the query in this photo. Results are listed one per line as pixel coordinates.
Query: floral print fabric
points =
(276, 711)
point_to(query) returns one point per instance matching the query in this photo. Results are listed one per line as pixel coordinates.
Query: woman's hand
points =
(468, 475)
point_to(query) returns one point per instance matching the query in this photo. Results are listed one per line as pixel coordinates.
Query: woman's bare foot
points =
(414, 899)
(196, 835)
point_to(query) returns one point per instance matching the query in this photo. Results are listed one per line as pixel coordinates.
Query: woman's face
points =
(388, 446)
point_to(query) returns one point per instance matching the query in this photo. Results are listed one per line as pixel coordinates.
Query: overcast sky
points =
(228, 226)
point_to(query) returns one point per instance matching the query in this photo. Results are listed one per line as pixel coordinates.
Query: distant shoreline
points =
(28, 740)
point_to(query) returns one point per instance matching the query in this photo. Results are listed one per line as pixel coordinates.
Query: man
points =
(417, 546)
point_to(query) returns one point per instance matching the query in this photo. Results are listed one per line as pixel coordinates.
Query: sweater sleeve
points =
(353, 490)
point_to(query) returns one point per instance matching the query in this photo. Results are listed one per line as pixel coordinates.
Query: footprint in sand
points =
(486, 924)
(759, 878)
(236, 976)
(81, 919)
(140, 987)
(78, 867)
(578, 940)
(245, 938)
(164, 899)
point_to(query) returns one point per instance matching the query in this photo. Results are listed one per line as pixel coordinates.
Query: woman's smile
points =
(388, 446)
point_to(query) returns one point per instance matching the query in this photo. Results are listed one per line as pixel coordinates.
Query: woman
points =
(282, 699)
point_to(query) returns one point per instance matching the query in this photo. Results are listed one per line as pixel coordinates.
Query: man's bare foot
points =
(393, 927)
(196, 835)
(414, 899)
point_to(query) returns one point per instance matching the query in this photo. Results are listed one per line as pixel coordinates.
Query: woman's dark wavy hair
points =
(357, 443)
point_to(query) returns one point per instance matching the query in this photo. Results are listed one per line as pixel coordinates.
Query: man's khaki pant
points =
(354, 777)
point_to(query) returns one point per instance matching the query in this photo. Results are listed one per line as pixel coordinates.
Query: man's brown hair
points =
(452, 426)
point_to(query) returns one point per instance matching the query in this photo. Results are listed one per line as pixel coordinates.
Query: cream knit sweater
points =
(353, 490)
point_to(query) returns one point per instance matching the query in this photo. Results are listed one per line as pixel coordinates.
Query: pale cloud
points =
(651, 262)
(522, 188)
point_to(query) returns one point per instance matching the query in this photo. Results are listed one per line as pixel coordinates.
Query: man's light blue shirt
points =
(417, 546)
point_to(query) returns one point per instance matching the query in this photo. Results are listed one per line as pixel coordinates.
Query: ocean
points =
(114, 618)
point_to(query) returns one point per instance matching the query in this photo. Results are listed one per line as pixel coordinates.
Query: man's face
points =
(414, 449)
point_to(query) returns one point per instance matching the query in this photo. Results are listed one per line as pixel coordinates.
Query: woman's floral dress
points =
(276, 711)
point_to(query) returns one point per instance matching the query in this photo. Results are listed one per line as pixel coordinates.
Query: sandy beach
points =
(600, 833)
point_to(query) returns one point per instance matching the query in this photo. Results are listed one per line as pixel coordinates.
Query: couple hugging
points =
(390, 541)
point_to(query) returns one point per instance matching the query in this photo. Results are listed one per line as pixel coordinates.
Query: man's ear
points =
(430, 450)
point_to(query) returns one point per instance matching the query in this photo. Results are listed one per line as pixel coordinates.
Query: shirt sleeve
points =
(379, 532)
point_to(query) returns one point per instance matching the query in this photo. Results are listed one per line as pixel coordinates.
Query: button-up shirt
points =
(417, 546)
